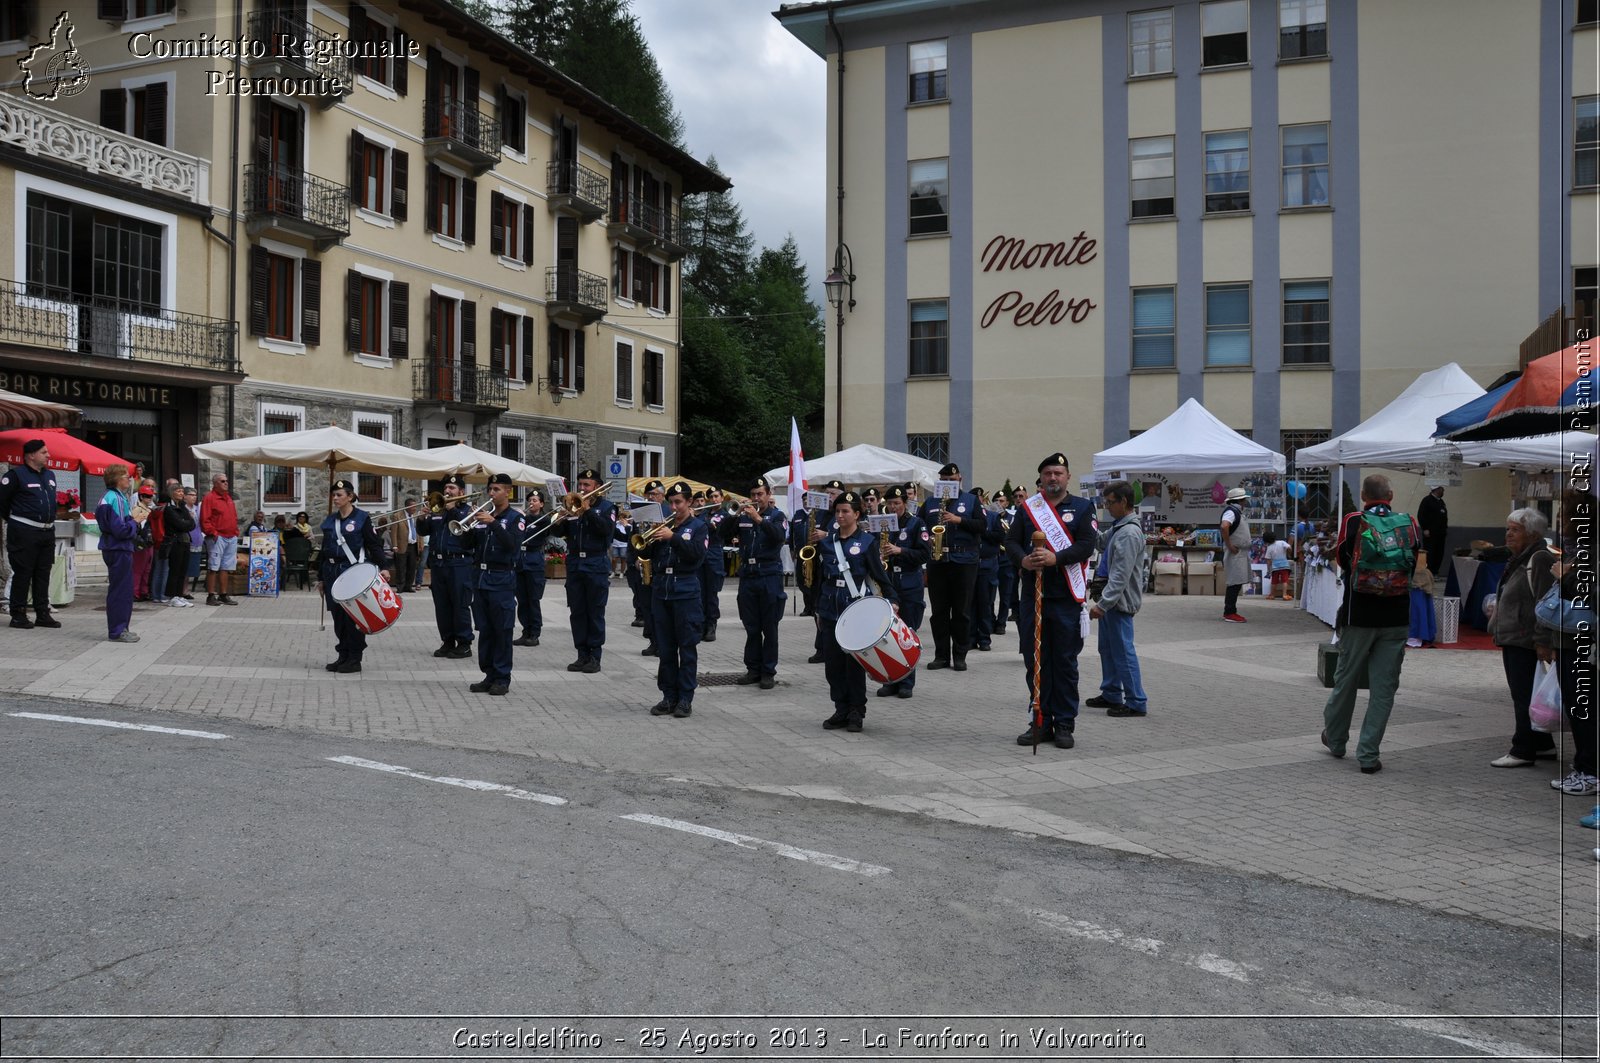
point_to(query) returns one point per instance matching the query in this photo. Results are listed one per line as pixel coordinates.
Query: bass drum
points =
(362, 592)
(887, 648)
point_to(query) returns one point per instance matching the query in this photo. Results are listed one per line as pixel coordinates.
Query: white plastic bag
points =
(1544, 711)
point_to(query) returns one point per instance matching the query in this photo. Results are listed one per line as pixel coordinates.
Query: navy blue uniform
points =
(905, 579)
(800, 525)
(675, 602)
(1062, 637)
(589, 538)
(365, 546)
(847, 680)
(951, 581)
(450, 558)
(498, 550)
(713, 574)
(28, 506)
(761, 594)
(1007, 610)
(987, 585)
(531, 576)
(634, 573)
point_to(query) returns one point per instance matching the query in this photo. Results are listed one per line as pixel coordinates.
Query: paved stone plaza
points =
(1225, 771)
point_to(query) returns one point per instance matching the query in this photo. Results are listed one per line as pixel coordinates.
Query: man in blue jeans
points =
(1122, 554)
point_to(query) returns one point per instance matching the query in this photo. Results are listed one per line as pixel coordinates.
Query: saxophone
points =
(808, 552)
(938, 535)
(644, 571)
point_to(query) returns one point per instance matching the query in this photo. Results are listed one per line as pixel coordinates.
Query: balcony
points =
(575, 190)
(279, 200)
(44, 325)
(647, 226)
(574, 296)
(467, 387)
(94, 149)
(294, 51)
(458, 132)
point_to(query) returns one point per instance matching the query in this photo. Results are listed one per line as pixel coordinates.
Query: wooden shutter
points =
(431, 101)
(433, 329)
(527, 234)
(527, 350)
(310, 302)
(258, 290)
(619, 188)
(358, 24)
(469, 211)
(155, 114)
(497, 229)
(113, 108)
(577, 360)
(352, 309)
(666, 289)
(358, 147)
(399, 162)
(262, 129)
(401, 65)
(399, 319)
(658, 377)
(497, 351)
(431, 196)
(113, 10)
(469, 332)
(553, 357)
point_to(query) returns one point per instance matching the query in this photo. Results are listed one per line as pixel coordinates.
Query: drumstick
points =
(1038, 627)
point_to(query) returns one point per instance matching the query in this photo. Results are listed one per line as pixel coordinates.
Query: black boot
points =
(710, 633)
(853, 722)
(840, 717)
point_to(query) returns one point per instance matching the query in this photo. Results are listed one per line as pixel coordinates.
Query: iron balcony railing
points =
(34, 315)
(460, 385)
(463, 123)
(278, 192)
(280, 37)
(570, 178)
(660, 222)
(569, 284)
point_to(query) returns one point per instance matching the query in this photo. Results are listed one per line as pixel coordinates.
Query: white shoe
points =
(1576, 784)
(1510, 760)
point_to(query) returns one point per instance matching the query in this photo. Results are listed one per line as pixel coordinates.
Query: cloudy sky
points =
(753, 96)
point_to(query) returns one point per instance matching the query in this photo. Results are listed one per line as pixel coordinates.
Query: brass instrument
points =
(808, 552)
(883, 548)
(435, 504)
(462, 527)
(644, 571)
(575, 504)
(640, 539)
(938, 534)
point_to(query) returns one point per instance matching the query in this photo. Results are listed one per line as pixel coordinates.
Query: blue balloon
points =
(1295, 489)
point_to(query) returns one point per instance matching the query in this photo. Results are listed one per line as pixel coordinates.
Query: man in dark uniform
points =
(712, 573)
(450, 559)
(677, 554)
(348, 539)
(1007, 589)
(654, 492)
(589, 534)
(907, 553)
(1019, 495)
(1060, 566)
(873, 501)
(951, 580)
(497, 544)
(530, 570)
(1433, 517)
(809, 529)
(987, 585)
(28, 506)
(759, 530)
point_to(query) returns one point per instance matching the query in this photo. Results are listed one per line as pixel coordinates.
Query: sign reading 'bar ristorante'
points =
(59, 388)
(1013, 253)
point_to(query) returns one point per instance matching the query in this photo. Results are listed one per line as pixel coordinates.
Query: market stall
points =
(861, 466)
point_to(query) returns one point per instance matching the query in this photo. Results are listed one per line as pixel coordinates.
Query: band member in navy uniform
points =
(760, 530)
(1068, 522)
(530, 570)
(847, 680)
(348, 539)
(713, 574)
(589, 533)
(677, 555)
(951, 580)
(1008, 571)
(818, 524)
(990, 547)
(654, 491)
(28, 506)
(450, 559)
(907, 553)
(497, 543)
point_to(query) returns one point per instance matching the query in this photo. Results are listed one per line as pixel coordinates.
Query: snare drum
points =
(361, 591)
(885, 645)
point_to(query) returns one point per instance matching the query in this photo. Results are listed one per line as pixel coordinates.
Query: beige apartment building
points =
(380, 215)
(1063, 219)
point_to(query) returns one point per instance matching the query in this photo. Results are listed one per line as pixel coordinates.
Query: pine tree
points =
(719, 248)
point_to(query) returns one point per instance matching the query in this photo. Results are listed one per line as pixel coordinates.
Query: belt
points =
(496, 568)
(447, 556)
(666, 571)
(586, 553)
(33, 523)
(838, 583)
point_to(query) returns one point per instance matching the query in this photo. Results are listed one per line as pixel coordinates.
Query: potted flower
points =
(555, 564)
(67, 505)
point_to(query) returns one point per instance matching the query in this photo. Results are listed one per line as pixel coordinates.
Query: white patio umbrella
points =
(332, 448)
(478, 464)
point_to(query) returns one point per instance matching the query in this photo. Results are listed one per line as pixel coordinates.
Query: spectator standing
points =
(28, 506)
(118, 529)
(1279, 565)
(144, 545)
(1376, 551)
(1236, 552)
(178, 523)
(1523, 644)
(402, 533)
(1575, 652)
(219, 520)
(160, 568)
(1122, 546)
(1433, 517)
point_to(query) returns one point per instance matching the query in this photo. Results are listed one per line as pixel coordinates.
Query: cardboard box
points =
(1169, 582)
(1328, 667)
(1203, 583)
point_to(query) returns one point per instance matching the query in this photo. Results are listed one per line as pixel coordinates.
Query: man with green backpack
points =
(1376, 552)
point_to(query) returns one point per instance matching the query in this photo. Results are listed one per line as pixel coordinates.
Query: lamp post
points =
(450, 427)
(840, 285)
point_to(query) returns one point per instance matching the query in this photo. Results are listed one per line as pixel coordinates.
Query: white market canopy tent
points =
(862, 464)
(1399, 436)
(333, 448)
(1190, 440)
(1558, 452)
(478, 464)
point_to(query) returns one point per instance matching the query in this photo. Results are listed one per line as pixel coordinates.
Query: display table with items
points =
(1323, 592)
(1471, 579)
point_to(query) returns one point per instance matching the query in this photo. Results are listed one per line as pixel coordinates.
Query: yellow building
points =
(1063, 220)
(379, 215)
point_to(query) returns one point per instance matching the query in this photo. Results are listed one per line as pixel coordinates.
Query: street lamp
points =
(450, 427)
(835, 284)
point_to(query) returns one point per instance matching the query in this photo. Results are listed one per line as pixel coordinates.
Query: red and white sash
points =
(1047, 520)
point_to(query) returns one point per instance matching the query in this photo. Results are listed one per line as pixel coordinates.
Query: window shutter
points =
(399, 163)
(553, 356)
(263, 132)
(527, 234)
(469, 332)
(401, 64)
(358, 24)
(527, 350)
(433, 329)
(666, 289)
(113, 10)
(619, 188)
(258, 290)
(469, 212)
(431, 106)
(399, 319)
(352, 309)
(431, 194)
(577, 360)
(497, 350)
(155, 113)
(310, 302)
(497, 229)
(658, 375)
(641, 278)
(113, 109)
(358, 146)
(650, 396)
(470, 84)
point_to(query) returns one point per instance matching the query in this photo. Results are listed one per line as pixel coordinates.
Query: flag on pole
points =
(797, 471)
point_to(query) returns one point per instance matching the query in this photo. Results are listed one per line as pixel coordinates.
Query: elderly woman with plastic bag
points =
(1522, 646)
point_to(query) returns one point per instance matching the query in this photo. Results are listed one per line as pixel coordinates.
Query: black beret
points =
(849, 498)
(653, 485)
(455, 480)
(833, 485)
(1057, 458)
(681, 489)
(500, 478)
(949, 468)
(589, 474)
(895, 492)
(761, 483)
(33, 446)
(871, 492)
(343, 485)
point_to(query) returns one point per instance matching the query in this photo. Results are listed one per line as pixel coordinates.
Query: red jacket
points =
(218, 515)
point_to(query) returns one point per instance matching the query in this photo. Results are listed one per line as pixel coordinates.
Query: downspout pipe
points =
(838, 351)
(233, 223)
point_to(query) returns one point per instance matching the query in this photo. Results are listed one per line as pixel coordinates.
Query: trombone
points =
(463, 526)
(575, 504)
(435, 504)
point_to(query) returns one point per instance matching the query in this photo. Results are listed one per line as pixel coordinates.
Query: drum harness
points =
(844, 570)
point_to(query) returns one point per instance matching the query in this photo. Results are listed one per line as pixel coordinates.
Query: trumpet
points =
(640, 539)
(435, 504)
(462, 527)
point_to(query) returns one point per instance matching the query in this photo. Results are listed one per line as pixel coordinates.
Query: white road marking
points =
(1205, 961)
(744, 841)
(117, 723)
(466, 784)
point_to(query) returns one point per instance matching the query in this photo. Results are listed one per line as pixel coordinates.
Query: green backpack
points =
(1386, 554)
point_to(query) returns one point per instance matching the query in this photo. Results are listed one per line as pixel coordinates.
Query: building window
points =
(513, 111)
(1318, 503)
(1302, 29)
(565, 358)
(929, 63)
(75, 250)
(273, 289)
(564, 457)
(372, 189)
(280, 297)
(376, 312)
(366, 325)
(932, 446)
(1305, 165)
(452, 205)
(378, 175)
(625, 375)
(1305, 323)
(1153, 183)
(510, 228)
(1227, 324)
(1154, 328)
(1224, 33)
(930, 197)
(14, 20)
(1586, 148)
(139, 112)
(445, 213)
(49, 246)
(1227, 171)
(280, 484)
(1150, 42)
(1584, 293)
(511, 344)
(1588, 12)
(130, 10)
(375, 62)
(373, 490)
(513, 443)
(655, 378)
(930, 337)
